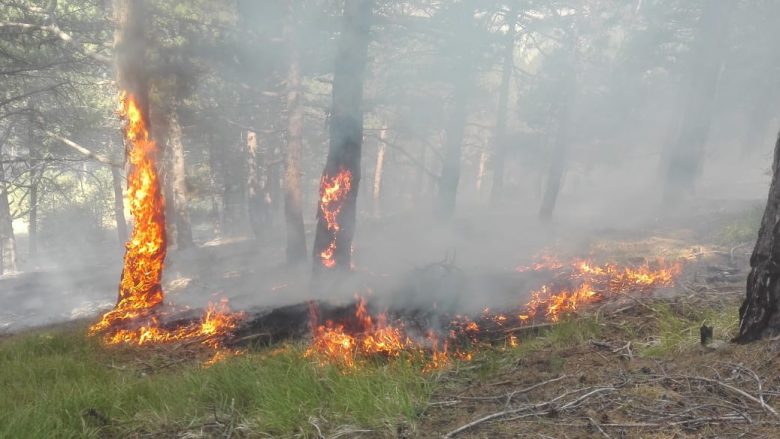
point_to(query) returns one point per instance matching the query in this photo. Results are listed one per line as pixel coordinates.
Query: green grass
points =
(678, 329)
(63, 385)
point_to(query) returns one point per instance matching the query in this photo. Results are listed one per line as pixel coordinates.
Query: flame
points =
(136, 317)
(139, 288)
(333, 194)
(595, 283)
(209, 330)
(332, 342)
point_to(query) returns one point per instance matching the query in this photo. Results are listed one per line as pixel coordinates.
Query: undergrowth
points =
(66, 385)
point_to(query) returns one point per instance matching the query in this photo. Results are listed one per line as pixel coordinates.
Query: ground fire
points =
(137, 316)
(571, 288)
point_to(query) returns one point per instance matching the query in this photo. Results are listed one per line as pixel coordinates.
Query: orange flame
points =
(139, 288)
(134, 319)
(333, 194)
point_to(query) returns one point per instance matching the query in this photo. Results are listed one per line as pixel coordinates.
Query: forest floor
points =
(630, 367)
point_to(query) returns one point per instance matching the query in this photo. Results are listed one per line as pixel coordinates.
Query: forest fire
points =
(333, 193)
(136, 317)
(572, 287)
(139, 289)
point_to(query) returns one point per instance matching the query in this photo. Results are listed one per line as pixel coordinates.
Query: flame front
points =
(333, 194)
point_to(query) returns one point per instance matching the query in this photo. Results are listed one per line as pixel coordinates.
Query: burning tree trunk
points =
(340, 179)
(378, 169)
(293, 198)
(760, 312)
(499, 138)
(139, 287)
(683, 156)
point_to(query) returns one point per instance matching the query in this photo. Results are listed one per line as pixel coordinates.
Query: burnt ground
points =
(631, 370)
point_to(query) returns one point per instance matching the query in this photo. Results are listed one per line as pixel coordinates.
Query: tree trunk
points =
(293, 197)
(130, 52)
(759, 315)
(178, 182)
(7, 240)
(684, 155)
(32, 229)
(464, 60)
(259, 209)
(378, 169)
(557, 166)
(499, 137)
(336, 219)
(450, 172)
(481, 166)
(119, 206)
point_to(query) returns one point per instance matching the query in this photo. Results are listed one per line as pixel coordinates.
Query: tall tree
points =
(759, 314)
(176, 180)
(341, 176)
(7, 240)
(293, 198)
(684, 154)
(499, 136)
(463, 81)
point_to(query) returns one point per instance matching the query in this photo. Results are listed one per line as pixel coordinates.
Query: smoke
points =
(611, 84)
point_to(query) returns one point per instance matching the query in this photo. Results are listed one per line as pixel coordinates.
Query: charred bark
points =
(759, 315)
(346, 136)
(293, 198)
(684, 155)
(499, 138)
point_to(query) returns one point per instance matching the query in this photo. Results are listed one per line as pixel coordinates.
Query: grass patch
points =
(677, 328)
(63, 385)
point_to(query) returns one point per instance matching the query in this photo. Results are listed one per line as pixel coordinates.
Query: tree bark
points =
(293, 197)
(481, 167)
(346, 137)
(499, 137)
(684, 155)
(759, 315)
(119, 206)
(378, 169)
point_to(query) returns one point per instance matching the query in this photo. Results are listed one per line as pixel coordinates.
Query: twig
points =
(531, 408)
(598, 427)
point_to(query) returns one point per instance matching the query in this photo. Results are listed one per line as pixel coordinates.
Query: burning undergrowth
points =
(351, 334)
